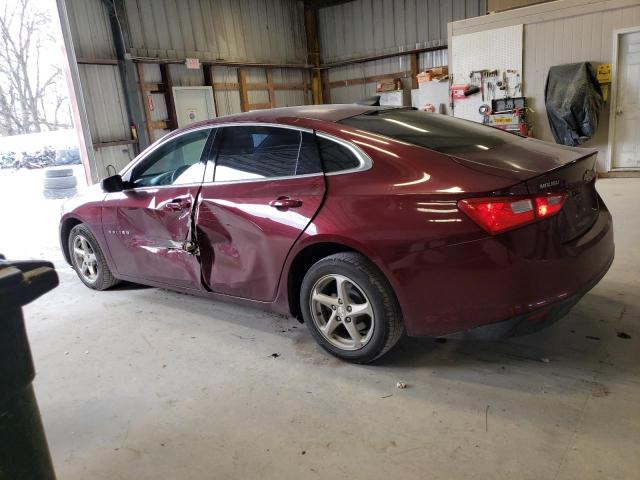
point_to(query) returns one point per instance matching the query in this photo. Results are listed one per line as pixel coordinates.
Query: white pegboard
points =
(499, 49)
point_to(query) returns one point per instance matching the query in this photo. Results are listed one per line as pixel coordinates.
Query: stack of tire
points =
(59, 182)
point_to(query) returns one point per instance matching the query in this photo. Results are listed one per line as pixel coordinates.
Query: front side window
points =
(257, 152)
(176, 162)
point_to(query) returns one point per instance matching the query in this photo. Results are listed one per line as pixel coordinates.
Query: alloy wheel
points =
(86, 260)
(342, 312)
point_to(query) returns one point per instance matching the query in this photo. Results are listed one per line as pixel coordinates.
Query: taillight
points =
(499, 214)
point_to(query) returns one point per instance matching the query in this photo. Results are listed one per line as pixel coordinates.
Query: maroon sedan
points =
(363, 222)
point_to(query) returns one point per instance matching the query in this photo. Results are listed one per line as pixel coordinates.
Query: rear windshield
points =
(431, 130)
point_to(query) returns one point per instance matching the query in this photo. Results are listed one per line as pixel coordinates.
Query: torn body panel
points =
(147, 230)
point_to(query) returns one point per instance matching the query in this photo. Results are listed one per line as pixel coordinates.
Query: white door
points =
(626, 147)
(193, 104)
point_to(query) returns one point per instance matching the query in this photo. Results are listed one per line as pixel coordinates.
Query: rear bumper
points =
(531, 322)
(510, 284)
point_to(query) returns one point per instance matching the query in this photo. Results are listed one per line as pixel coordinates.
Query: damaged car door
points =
(147, 225)
(261, 191)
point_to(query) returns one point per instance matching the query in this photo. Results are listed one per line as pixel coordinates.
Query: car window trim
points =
(365, 161)
(155, 146)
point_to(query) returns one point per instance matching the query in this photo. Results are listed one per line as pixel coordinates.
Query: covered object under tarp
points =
(573, 99)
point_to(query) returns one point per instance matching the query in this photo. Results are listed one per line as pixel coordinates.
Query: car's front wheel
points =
(88, 260)
(350, 308)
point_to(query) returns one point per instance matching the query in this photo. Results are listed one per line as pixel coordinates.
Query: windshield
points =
(431, 130)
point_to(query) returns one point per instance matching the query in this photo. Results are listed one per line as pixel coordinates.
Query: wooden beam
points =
(326, 86)
(270, 89)
(114, 143)
(221, 63)
(226, 86)
(159, 125)
(96, 61)
(313, 52)
(244, 97)
(172, 120)
(414, 69)
(373, 78)
(258, 106)
(146, 93)
(260, 86)
(382, 56)
(305, 88)
(207, 71)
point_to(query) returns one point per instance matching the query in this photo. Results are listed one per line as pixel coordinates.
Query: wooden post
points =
(313, 55)
(270, 89)
(242, 82)
(326, 86)
(208, 81)
(146, 92)
(414, 70)
(172, 120)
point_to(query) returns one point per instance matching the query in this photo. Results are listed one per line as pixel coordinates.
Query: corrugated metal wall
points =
(233, 30)
(557, 33)
(370, 27)
(101, 85)
(269, 31)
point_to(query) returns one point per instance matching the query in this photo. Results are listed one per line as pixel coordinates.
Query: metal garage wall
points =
(101, 87)
(233, 30)
(370, 27)
(268, 31)
(557, 33)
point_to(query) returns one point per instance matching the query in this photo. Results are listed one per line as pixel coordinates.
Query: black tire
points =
(58, 183)
(104, 278)
(386, 322)
(58, 172)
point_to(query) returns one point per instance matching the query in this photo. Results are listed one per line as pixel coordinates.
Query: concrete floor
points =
(141, 383)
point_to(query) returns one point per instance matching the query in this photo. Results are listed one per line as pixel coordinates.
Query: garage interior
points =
(139, 382)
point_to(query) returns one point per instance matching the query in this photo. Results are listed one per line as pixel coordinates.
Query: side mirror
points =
(113, 183)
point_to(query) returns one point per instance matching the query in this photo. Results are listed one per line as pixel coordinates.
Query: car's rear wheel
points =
(350, 308)
(88, 260)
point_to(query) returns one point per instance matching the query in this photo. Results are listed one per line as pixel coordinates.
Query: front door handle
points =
(178, 204)
(285, 202)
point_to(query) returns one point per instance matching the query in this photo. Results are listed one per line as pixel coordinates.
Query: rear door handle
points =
(285, 202)
(177, 204)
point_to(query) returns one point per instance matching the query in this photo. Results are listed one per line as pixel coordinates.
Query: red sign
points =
(192, 63)
(457, 91)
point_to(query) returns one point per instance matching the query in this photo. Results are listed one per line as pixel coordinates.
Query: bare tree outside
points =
(33, 93)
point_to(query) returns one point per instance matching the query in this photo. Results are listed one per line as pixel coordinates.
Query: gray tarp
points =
(574, 101)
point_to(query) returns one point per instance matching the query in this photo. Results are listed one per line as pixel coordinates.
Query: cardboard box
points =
(431, 74)
(389, 84)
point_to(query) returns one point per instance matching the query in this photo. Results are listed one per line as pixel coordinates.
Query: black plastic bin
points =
(24, 453)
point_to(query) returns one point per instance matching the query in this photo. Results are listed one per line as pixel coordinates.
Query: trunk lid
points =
(546, 168)
(519, 159)
(577, 179)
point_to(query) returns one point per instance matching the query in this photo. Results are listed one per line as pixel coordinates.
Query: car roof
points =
(328, 113)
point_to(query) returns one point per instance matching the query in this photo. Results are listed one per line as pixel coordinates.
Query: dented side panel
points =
(243, 241)
(146, 230)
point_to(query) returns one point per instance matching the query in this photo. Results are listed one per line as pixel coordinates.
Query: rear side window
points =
(336, 157)
(431, 130)
(256, 152)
